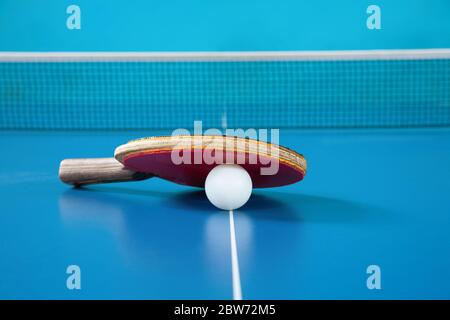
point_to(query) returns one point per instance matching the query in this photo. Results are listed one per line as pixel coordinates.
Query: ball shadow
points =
(267, 205)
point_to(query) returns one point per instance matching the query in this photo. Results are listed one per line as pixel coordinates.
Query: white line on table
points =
(237, 292)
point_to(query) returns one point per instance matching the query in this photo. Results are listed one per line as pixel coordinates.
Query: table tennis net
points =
(114, 91)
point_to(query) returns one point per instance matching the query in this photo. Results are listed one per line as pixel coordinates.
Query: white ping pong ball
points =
(228, 186)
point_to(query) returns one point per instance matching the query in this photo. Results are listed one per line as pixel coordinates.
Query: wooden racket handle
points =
(79, 172)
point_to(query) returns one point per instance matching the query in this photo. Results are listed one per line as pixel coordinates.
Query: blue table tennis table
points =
(369, 108)
(370, 197)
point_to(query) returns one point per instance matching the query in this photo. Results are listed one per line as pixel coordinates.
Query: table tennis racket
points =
(147, 157)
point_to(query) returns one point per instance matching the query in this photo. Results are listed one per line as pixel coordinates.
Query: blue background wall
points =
(175, 25)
